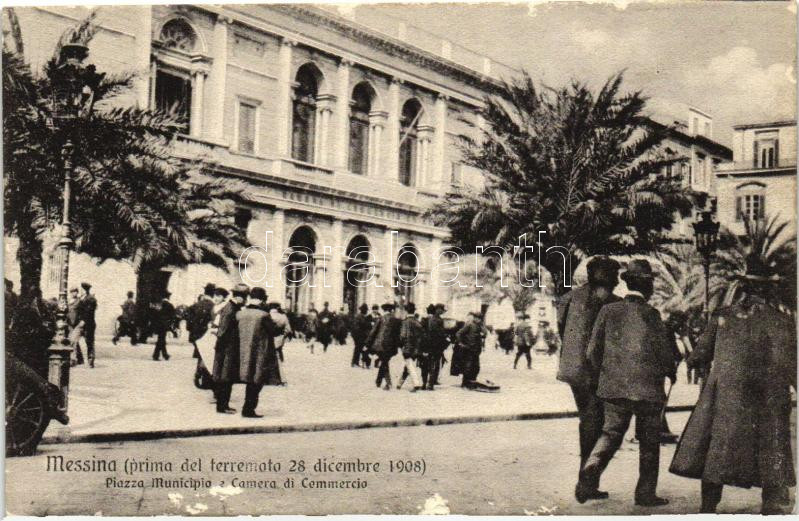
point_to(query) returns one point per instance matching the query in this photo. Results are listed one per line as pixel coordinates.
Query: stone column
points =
(198, 91)
(277, 292)
(335, 267)
(393, 130)
(440, 136)
(218, 79)
(144, 37)
(324, 110)
(377, 119)
(435, 276)
(423, 174)
(342, 132)
(283, 108)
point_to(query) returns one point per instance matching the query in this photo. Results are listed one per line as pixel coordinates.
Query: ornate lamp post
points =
(69, 96)
(706, 232)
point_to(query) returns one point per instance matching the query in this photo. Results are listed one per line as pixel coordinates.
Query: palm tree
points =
(766, 241)
(583, 167)
(680, 285)
(132, 197)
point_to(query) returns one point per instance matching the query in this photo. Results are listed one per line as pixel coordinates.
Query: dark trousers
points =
(88, 334)
(526, 353)
(426, 368)
(126, 328)
(771, 497)
(160, 346)
(591, 412)
(471, 367)
(383, 372)
(251, 397)
(356, 353)
(367, 361)
(222, 392)
(618, 414)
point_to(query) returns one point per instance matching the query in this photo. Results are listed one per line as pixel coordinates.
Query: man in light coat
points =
(631, 349)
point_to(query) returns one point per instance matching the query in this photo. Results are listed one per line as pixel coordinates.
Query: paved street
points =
(128, 392)
(487, 468)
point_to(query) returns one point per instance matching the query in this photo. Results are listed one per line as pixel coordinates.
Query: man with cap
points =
(739, 433)
(471, 338)
(631, 349)
(384, 339)
(258, 363)
(164, 317)
(226, 349)
(199, 316)
(361, 326)
(410, 341)
(523, 339)
(87, 307)
(577, 312)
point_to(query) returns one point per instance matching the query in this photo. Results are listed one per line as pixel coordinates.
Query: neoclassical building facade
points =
(343, 134)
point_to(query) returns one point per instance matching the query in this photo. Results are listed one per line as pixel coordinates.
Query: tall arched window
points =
(407, 271)
(357, 273)
(303, 123)
(409, 146)
(300, 269)
(173, 84)
(361, 105)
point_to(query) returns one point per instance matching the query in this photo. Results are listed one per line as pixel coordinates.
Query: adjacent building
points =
(760, 182)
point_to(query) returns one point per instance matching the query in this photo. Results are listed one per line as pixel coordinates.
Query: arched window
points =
(361, 105)
(406, 273)
(750, 202)
(304, 114)
(409, 142)
(357, 273)
(300, 269)
(178, 34)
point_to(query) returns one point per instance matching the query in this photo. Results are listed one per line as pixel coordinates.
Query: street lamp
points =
(706, 232)
(73, 84)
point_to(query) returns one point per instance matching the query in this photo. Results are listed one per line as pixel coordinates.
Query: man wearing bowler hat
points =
(258, 362)
(361, 326)
(577, 312)
(226, 349)
(631, 349)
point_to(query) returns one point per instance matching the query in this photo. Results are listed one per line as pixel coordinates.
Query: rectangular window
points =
(359, 146)
(173, 95)
(700, 169)
(751, 206)
(247, 115)
(766, 153)
(456, 174)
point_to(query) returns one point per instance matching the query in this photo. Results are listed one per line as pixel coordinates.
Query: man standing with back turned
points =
(631, 349)
(577, 312)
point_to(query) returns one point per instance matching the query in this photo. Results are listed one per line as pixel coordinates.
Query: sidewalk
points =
(129, 396)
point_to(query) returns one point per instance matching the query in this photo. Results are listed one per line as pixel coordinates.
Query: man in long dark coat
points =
(87, 307)
(199, 316)
(577, 312)
(164, 317)
(471, 338)
(258, 363)
(523, 339)
(631, 349)
(384, 340)
(326, 325)
(435, 343)
(361, 326)
(739, 433)
(226, 350)
(411, 338)
(127, 321)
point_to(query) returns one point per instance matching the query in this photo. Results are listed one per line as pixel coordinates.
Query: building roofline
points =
(700, 111)
(784, 123)
(698, 139)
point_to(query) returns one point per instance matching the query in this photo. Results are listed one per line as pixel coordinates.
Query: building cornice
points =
(747, 126)
(758, 172)
(699, 140)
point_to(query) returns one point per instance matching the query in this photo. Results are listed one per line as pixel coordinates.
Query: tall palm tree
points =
(584, 167)
(132, 197)
(766, 240)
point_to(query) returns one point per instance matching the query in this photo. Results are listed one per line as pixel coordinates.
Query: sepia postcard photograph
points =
(479, 258)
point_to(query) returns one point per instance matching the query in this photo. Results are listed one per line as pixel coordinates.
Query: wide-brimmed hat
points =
(410, 307)
(638, 269)
(431, 308)
(363, 308)
(241, 290)
(258, 293)
(441, 307)
(388, 306)
(86, 286)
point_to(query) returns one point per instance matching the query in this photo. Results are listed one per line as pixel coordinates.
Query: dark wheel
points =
(26, 419)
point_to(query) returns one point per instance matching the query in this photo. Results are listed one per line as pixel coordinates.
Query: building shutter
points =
(755, 154)
(762, 212)
(738, 208)
(776, 152)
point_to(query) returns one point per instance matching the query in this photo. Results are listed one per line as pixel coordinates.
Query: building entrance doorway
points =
(356, 273)
(300, 270)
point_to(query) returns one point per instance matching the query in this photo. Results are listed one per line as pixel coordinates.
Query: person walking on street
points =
(523, 339)
(631, 349)
(199, 316)
(577, 312)
(258, 363)
(127, 321)
(435, 342)
(226, 349)
(326, 323)
(87, 307)
(361, 326)
(739, 433)
(75, 328)
(411, 338)
(164, 317)
(311, 328)
(282, 327)
(384, 340)
(471, 338)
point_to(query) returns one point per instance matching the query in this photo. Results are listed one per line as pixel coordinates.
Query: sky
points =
(734, 60)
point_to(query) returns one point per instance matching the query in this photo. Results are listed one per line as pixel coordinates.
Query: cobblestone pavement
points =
(128, 392)
(500, 468)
